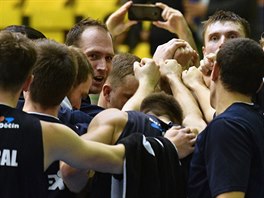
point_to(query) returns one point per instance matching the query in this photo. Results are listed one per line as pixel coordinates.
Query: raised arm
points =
(179, 50)
(198, 81)
(192, 117)
(193, 79)
(117, 23)
(175, 22)
(148, 75)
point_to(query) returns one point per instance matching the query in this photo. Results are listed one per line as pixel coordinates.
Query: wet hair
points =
(17, 58)
(29, 32)
(241, 63)
(74, 35)
(54, 73)
(122, 66)
(161, 103)
(224, 16)
(84, 68)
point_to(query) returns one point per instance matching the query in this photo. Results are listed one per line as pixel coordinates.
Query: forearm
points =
(202, 93)
(192, 116)
(74, 179)
(102, 158)
(187, 36)
(134, 102)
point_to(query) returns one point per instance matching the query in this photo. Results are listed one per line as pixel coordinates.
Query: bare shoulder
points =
(54, 137)
(111, 115)
(54, 128)
(107, 126)
(56, 134)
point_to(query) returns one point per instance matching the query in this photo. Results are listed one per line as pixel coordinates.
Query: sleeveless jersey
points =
(147, 124)
(56, 187)
(138, 122)
(21, 155)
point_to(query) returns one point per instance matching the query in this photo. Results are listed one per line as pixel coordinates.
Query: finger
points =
(126, 5)
(161, 5)
(170, 61)
(159, 24)
(191, 136)
(178, 41)
(185, 130)
(203, 67)
(136, 65)
(146, 60)
(184, 72)
(192, 142)
(178, 45)
(130, 23)
(123, 9)
(176, 127)
(211, 56)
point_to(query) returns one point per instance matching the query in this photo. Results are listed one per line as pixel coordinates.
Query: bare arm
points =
(148, 75)
(192, 116)
(116, 22)
(193, 79)
(179, 50)
(61, 143)
(198, 83)
(175, 23)
(106, 128)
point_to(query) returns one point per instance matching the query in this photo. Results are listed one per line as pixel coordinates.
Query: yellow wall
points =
(51, 16)
(54, 19)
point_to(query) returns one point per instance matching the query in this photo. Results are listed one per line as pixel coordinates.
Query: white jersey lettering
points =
(56, 182)
(8, 158)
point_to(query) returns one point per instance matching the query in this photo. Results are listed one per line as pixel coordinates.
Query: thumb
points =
(136, 66)
(130, 23)
(159, 24)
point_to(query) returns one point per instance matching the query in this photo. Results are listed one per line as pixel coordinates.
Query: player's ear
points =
(106, 92)
(27, 83)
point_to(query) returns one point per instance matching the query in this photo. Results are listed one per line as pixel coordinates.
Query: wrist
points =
(194, 85)
(147, 87)
(173, 78)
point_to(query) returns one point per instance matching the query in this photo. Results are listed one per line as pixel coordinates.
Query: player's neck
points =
(35, 107)
(9, 99)
(227, 98)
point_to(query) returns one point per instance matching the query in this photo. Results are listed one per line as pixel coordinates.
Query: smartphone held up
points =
(145, 12)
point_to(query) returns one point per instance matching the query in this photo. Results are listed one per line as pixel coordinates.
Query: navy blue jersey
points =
(79, 119)
(260, 97)
(138, 122)
(229, 154)
(56, 187)
(21, 155)
(147, 124)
